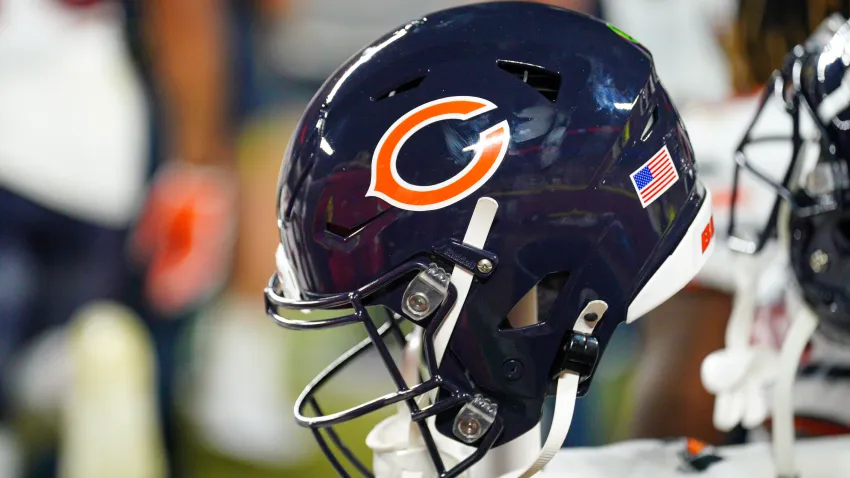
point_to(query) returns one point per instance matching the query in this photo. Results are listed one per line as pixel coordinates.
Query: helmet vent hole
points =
(536, 304)
(650, 122)
(407, 86)
(546, 82)
(346, 232)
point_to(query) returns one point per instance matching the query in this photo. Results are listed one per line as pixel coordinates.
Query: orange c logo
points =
(489, 152)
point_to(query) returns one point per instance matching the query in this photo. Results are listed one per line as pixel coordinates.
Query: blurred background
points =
(140, 144)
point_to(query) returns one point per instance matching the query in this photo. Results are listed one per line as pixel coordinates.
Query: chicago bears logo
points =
(489, 153)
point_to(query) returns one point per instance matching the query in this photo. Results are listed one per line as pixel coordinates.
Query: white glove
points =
(740, 374)
(739, 378)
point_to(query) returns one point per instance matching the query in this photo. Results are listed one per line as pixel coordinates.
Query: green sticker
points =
(622, 34)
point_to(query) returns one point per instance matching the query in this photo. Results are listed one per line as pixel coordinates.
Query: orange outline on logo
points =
(489, 153)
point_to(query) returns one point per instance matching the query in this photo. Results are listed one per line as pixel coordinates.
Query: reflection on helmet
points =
(552, 124)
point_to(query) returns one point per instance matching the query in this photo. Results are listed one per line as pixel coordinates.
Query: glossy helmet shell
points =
(585, 111)
(820, 242)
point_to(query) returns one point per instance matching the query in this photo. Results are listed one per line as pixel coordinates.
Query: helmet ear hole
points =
(534, 307)
(525, 313)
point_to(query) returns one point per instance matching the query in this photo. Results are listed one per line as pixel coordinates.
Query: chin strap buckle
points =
(580, 352)
(567, 384)
(580, 355)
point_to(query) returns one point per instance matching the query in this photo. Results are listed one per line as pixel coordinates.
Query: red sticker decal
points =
(708, 234)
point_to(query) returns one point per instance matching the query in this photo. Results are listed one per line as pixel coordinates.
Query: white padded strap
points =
(396, 443)
(476, 236)
(567, 387)
(783, 433)
(740, 325)
(565, 403)
(565, 398)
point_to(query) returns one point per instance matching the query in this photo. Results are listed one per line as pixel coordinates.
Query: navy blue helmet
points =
(461, 163)
(812, 208)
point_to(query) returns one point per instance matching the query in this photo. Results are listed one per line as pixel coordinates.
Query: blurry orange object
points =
(185, 236)
(722, 198)
(694, 446)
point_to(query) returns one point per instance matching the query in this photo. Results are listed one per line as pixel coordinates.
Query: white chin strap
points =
(803, 325)
(476, 236)
(398, 449)
(741, 375)
(565, 399)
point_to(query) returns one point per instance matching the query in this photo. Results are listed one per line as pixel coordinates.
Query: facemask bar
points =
(779, 85)
(310, 400)
(275, 302)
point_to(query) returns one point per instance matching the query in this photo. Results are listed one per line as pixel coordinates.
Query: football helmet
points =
(811, 227)
(470, 159)
(811, 213)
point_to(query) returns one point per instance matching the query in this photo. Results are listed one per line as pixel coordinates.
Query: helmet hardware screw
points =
(591, 317)
(469, 427)
(485, 266)
(474, 419)
(512, 369)
(418, 302)
(818, 261)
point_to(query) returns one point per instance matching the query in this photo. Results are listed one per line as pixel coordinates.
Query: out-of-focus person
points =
(75, 164)
(670, 399)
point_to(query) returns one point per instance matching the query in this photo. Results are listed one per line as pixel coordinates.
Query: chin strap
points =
(565, 403)
(397, 445)
(476, 235)
(565, 398)
(741, 374)
(783, 433)
(391, 449)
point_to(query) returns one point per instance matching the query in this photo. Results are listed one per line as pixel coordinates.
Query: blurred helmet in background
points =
(811, 214)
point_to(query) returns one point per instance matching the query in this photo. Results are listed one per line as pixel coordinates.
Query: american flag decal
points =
(655, 177)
